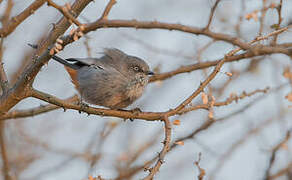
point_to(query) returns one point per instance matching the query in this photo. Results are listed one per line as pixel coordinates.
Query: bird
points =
(114, 80)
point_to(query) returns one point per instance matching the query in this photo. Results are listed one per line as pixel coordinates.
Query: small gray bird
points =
(115, 80)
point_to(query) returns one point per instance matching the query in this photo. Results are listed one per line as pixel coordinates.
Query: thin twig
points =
(65, 11)
(202, 172)
(274, 152)
(107, 9)
(281, 172)
(3, 77)
(35, 111)
(166, 145)
(212, 13)
(279, 10)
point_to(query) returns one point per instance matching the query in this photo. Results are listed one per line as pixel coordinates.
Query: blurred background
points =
(238, 144)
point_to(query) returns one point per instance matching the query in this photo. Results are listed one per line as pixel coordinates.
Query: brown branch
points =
(274, 152)
(281, 172)
(50, 107)
(207, 64)
(4, 20)
(3, 77)
(65, 11)
(202, 85)
(237, 27)
(166, 143)
(265, 50)
(202, 171)
(15, 21)
(35, 111)
(226, 102)
(279, 10)
(208, 123)
(150, 116)
(6, 15)
(6, 165)
(257, 50)
(107, 9)
(103, 23)
(212, 13)
(263, 15)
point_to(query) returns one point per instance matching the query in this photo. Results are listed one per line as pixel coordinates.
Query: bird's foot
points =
(82, 105)
(136, 111)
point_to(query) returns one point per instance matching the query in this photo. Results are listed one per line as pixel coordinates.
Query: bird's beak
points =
(150, 73)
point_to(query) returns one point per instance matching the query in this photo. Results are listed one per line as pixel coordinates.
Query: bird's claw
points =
(136, 111)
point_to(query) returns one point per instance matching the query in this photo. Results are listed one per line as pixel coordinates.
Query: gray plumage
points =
(115, 80)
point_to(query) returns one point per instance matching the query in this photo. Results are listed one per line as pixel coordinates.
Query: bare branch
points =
(15, 21)
(228, 101)
(212, 13)
(280, 19)
(3, 77)
(281, 172)
(107, 9)
(102, 23)
(202, 171)
(35, 111)
(166, 143)
(65, 11)
(274, 152)
(6, 165)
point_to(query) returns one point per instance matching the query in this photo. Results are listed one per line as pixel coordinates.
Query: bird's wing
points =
(83, 61)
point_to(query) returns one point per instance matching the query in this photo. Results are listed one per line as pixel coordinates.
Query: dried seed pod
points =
(56, 50)
(228, 74)
(80, 34)
(81, 27)
(72, 31)
(60, 41)
(75, 37)
(176, 122)
(181, 143)
(204, 98)
(58, 46)
(211, 115)
(52, 51)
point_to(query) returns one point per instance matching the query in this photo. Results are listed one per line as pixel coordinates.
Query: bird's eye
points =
(136, 68)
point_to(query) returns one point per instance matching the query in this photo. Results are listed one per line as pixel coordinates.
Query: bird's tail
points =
(65, 63)
(60, 60)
